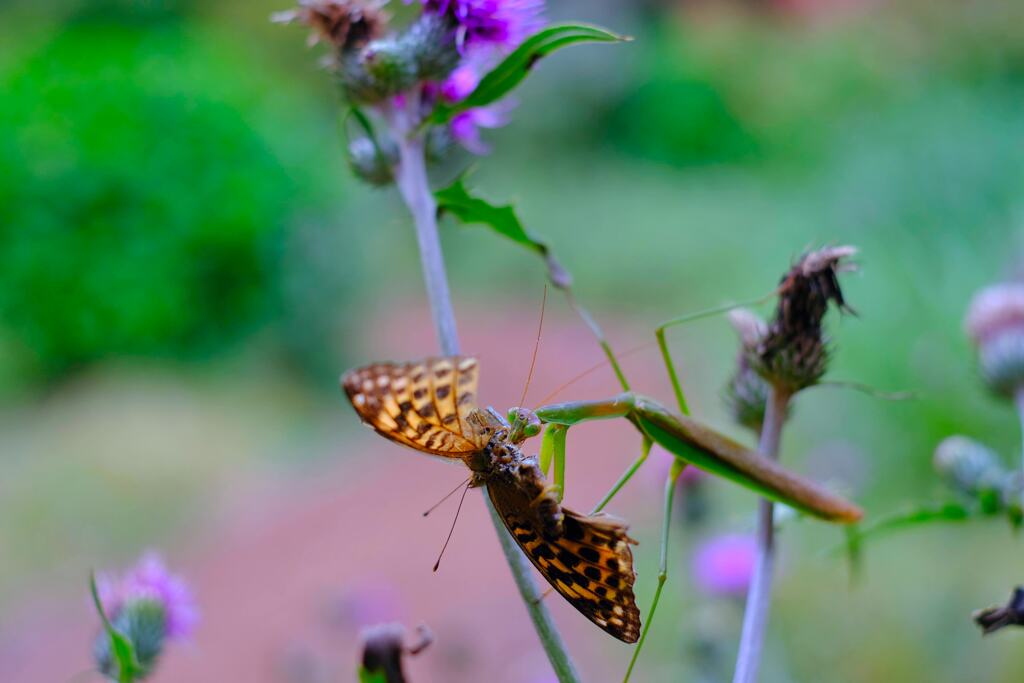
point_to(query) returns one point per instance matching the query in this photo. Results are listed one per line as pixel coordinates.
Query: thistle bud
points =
(373, 163)
(972, 469)
(747, 392)
(380, 70)
(144, 623)
(439, 144)
(431, 42)
(384, 647)
(995, 323)
(997, 617)
(793, 353)
(346, 24)
(149, 607)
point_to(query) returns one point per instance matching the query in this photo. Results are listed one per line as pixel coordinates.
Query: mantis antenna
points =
(452, 530)
(659, 340)
(536, 346)
(594, 368)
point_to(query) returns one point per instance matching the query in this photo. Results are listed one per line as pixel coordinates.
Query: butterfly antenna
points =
(595, 367)
(536, 346)
(452, 530)
(446, 496)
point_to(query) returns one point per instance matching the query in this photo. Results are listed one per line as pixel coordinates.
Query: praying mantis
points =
(691, 442)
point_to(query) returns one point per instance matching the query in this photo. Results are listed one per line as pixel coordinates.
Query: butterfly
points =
(430, 405)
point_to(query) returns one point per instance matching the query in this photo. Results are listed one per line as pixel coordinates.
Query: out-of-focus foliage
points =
(146, 207)
(785, 93)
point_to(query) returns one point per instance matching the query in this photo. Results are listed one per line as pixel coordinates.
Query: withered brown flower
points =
(384, 647)
(747, 392)
(793, 353)
(995, 618)
(345, 24)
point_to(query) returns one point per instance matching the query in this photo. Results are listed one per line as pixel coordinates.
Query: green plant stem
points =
(1019, 400)
(755, 616)
(411, 178)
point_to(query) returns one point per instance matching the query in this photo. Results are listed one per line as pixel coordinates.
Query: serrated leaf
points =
(457, 200)
(513, 69)
(122, 648)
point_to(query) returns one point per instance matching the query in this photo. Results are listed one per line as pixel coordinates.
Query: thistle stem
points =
(755, 617)
(1019, 400)
(411, 179)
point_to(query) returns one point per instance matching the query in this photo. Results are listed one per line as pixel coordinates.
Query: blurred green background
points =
(182, 248)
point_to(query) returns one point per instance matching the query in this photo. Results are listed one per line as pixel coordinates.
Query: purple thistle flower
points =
(465, 127)
(723, 565)
(460, 83)
(500, 23)
(149, 580)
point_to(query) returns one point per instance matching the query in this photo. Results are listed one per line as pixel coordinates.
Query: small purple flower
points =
(500, 23)
(150, 580)
(661, 464)
(465, 127)
(723, 565)
(460, 83)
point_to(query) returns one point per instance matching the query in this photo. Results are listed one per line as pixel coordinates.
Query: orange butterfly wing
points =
(589, 563)
(425, 405)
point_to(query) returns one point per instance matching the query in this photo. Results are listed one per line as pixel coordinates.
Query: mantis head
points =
(524, 425)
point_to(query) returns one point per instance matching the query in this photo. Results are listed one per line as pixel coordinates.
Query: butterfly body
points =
(506, 469)
(430, 406)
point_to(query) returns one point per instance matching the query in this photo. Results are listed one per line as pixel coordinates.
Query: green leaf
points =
(915, 516)
(122, 648)
(514, 68)
(854, 554)
(366, 676)
(455, 199)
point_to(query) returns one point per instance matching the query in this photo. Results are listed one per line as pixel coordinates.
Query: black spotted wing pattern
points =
(587, 559)
(425, 405)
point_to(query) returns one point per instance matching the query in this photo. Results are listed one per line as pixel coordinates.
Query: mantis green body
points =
(690, 441)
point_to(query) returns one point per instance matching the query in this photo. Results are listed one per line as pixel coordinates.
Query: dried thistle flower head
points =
(749, 326)
(995, 323)
(384, 646)
(747, 392)
(793, 353)
(995, 618)
(345, 24)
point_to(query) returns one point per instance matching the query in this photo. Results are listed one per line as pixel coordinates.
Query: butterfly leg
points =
(670, 488)
(545, 594)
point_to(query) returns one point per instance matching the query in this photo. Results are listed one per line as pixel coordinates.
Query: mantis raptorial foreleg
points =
(552, 450)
